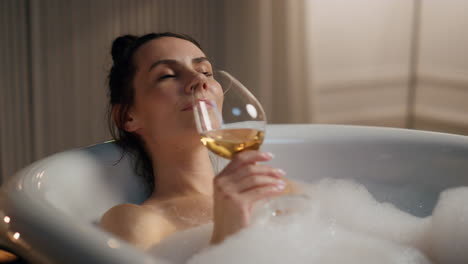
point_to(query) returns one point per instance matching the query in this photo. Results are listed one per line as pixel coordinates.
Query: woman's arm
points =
(137, 225)
(238, 187)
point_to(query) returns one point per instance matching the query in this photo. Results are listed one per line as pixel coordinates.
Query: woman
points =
(151, 83)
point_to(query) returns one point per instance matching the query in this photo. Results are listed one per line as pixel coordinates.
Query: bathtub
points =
(50, 209)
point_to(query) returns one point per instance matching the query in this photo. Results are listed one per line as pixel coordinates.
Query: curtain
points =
(265, 48)
(307, 61)
(16, 129)
(58, 58)
(55, 58)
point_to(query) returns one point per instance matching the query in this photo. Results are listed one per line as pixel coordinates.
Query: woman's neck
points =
(181, 170)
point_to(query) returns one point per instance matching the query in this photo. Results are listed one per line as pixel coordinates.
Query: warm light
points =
(6, 219)
(112, 243)
(16, 235)
(7, 257)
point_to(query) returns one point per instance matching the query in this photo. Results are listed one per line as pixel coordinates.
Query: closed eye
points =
(208, 74)
(167, 76)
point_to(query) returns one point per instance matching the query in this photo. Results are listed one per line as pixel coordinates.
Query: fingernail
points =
(281, 172)
(279, 187)
(269, 155)
(281, 183)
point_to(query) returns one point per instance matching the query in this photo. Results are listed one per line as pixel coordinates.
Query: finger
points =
(263, 192)
(252, 170)
(248, 183)
(247, 157)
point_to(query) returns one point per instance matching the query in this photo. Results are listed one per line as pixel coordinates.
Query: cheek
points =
(164, 94)
(219, 98)
(155, 106)
(220, 101)
(218, 94)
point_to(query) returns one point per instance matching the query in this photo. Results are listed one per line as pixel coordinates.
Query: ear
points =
(129, 122)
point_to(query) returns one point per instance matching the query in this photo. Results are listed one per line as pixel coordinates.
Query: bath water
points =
(343, 223)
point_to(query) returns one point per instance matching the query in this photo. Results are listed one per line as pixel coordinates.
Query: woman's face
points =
(167, 70)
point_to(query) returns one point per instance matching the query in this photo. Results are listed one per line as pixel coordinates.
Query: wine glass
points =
(236, 124)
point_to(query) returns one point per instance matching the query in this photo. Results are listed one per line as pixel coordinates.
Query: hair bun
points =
(121, 45)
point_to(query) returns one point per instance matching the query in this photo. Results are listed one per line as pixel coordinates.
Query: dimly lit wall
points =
(56, 58)
(399, 63)
(442, 74)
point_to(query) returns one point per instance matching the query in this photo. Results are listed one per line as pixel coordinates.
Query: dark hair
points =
(121, 92)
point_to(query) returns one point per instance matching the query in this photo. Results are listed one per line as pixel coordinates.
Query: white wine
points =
(227, 142)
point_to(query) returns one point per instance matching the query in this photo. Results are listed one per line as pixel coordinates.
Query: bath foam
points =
(449, 233)
(349, 204)
(179, 247)
(342, 223)
(306, 239)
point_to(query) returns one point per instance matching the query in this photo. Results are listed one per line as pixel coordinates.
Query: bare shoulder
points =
(139, 225)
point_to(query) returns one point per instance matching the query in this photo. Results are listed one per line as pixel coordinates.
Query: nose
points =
(198, 81)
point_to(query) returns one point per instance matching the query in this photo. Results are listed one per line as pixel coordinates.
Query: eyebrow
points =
(169, 62)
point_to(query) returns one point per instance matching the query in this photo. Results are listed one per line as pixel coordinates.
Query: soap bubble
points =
(343, 223)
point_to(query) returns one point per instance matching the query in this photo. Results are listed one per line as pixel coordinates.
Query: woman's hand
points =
(238, 187)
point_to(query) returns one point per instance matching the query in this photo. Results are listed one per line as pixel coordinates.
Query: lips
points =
(189, 107)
